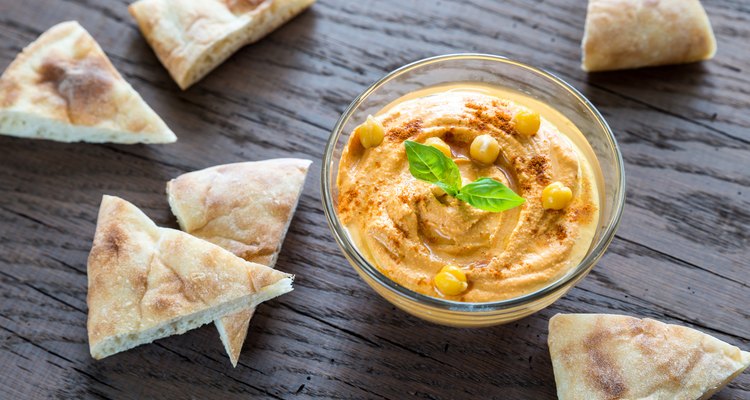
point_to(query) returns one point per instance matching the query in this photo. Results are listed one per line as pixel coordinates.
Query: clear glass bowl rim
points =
(353, 254)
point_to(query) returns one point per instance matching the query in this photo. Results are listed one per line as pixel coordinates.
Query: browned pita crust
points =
(600, 356)
(624, 34)
(246, 208)
(191, 38)
(63, 87)
(242, 207)
(147, 282)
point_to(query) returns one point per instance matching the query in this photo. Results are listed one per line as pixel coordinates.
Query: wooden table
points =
(681, 253)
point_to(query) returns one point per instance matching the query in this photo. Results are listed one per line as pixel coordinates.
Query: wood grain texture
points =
(681, 254)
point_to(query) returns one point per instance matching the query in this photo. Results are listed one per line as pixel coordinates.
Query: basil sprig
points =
(429, 164)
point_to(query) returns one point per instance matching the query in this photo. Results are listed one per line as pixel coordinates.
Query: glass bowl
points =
(508, 74)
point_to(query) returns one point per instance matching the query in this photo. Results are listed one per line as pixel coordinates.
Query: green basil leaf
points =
(429, 164)
(490, 195)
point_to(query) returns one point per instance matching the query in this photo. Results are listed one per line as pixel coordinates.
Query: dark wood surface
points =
(681, 254)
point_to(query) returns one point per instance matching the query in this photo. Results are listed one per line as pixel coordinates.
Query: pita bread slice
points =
(601, 356)
(622, 34)
(191, 38)
(146, 282)
(63, 87)
(245, 208)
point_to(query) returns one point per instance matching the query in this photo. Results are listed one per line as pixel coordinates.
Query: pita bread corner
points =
(252, 205)
(146, 282)
(603, 356)
(621, 34)
(191, 38)
(63, 87)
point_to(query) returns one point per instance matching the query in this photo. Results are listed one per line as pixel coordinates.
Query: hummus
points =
(411, 229)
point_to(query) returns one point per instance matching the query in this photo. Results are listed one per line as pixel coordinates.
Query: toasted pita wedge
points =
(191, 38)
(622, 34)
(146, 282)
(601, 356)
(245, 208)
(63, 87)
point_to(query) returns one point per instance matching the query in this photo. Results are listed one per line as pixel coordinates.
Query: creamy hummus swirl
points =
(411, 229)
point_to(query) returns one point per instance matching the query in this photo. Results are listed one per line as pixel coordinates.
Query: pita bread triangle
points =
(63, 87)
(623, 34)
(602, 356)
(245, 208)
(191, 38)
(146, 282)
